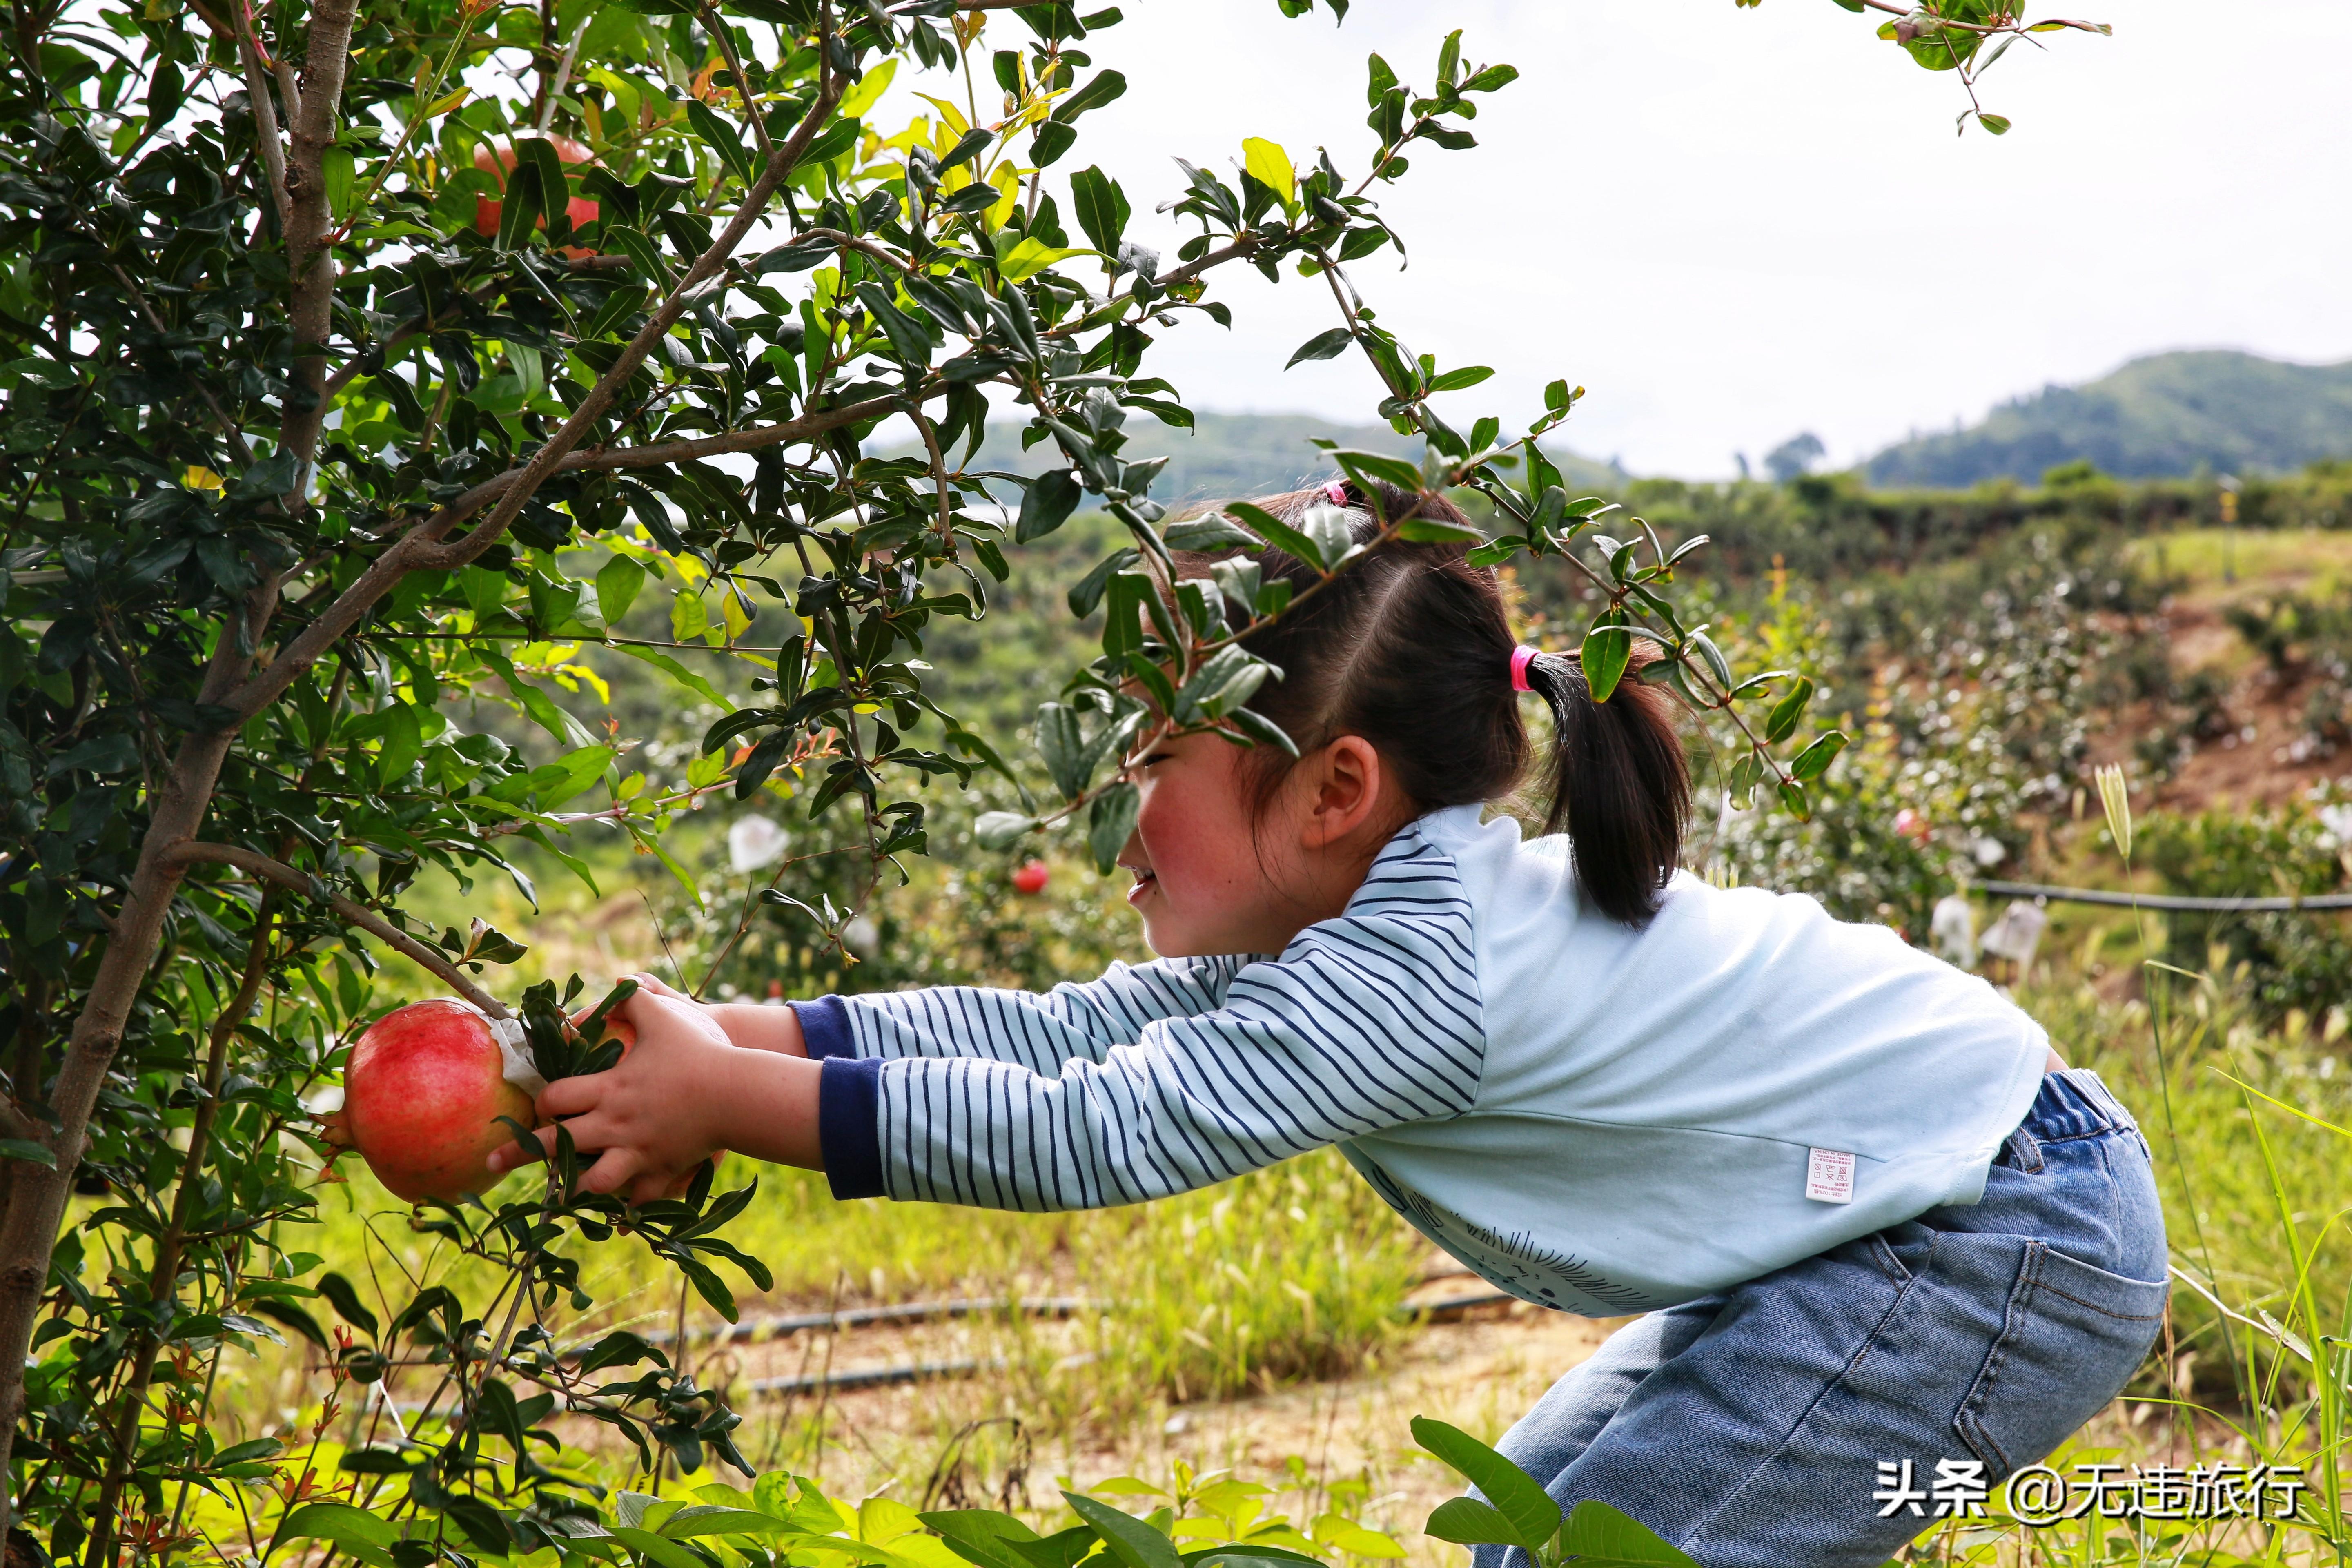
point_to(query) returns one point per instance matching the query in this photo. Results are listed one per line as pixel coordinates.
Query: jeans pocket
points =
(1901, 1250)
(2072, 1337)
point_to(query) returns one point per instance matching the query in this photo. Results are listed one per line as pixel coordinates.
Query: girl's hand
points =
(747, 1024)
(682, 1092)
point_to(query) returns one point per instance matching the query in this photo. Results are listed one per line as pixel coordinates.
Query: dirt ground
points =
(2263, 758)
(1479, 1370)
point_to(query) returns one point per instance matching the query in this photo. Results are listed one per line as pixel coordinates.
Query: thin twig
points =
(196, 853)
(264, 121)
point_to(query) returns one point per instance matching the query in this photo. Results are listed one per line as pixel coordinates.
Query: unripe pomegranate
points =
(1032, 878)
(422, 1098)
(498, 162)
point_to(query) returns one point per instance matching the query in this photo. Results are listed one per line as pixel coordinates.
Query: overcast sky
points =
(1731, 226)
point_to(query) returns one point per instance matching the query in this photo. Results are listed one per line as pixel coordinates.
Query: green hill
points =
(2165, 415)
(1232, 455)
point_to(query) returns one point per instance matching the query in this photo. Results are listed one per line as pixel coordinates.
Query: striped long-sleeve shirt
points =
(1592, 1117)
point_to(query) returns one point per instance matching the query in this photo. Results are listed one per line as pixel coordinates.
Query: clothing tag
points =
(1829, 1176)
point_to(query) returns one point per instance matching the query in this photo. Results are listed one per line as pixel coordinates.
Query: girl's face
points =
(1212, 875)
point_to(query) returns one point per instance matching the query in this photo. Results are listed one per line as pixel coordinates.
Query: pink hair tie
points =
(1522, 656)
(1335, 492)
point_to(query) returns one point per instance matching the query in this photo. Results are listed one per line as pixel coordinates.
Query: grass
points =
(1291, 1279)
(2306, 560)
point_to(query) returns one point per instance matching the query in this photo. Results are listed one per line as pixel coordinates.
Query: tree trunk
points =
(36, 1199)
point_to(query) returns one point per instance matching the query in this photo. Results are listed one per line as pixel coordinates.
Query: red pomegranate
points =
(1032, 878)
(422, 1097)
(500, 162)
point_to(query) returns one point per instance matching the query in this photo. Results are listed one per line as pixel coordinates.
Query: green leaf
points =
(537, 703)
(1281, 535)
(1365, 467)
(1134, 1543)
(1607, 651)
(660, 1549)
(1456, 380)
(338, 170)
(979, 1535)
(1466, 1522)
(1206, 534)
(721, 137)
(363, 1534)
(1261, 730)
(1436, 530)
(346, 1300)
(1105, 87)
(1088, 590)
(707, 1520)
(1031, 256)
(617, 584)
(868, 93)
(1060, 743)
(294, 1317)
(24, 1149)
(520, 206)
(1815, 758)
(1001, 829)
(676, 671)
(1051, 497)
(577, 771)
(1717, 664)
(1599, 1536)
(1516, 1497)
(1996, 123)
(1781, 721)
(1323, 345)
(1109, 822)
(1269, 165)
(1101, 207)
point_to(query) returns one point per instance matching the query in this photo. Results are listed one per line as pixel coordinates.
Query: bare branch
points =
(564, 73)
(717, 26)
(308, 255)
(252, 863)
(1246, 245)
(852, 242)
(265, 123)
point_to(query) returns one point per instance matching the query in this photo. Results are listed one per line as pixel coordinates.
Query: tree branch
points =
(688, 289)
(308, 256)
(252, 863)
(853, 242)
(415, 551)
(162, 1279)
(265, 126)
(1246, 245)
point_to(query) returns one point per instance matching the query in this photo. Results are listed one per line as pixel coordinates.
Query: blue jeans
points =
(1749, 1426)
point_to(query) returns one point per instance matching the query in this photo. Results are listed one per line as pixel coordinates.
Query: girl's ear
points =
(1346, 791)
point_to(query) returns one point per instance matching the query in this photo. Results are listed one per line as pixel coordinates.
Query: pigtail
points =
(1621, 788)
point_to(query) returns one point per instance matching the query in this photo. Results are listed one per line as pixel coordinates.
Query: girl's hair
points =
(1409, 648)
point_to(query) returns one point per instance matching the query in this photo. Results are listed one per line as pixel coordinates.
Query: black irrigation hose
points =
(1446, 1309)
(2173, 903)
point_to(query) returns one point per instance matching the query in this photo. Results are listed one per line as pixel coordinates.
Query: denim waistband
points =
(2074, 1104)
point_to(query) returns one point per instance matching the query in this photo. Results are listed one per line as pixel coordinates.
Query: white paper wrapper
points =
(514, 1046)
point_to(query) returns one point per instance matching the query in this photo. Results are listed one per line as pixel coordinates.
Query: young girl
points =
(1887, 1248)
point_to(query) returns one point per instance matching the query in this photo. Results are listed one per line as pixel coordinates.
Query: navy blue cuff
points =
(824, 1027)
(848, 1123)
